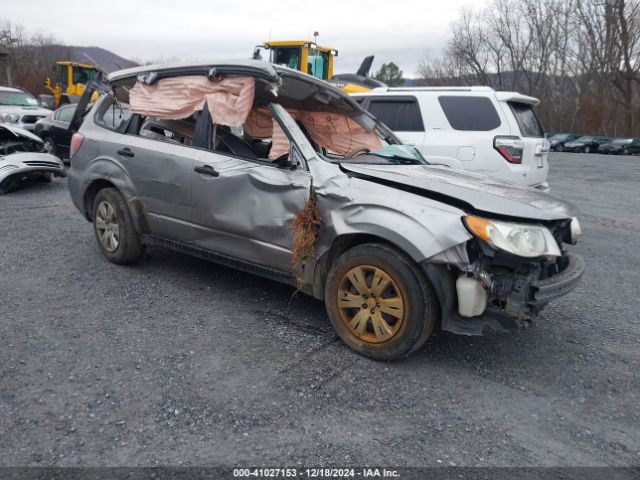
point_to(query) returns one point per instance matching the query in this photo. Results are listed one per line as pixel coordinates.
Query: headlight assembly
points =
(521, 239)
(9, 117)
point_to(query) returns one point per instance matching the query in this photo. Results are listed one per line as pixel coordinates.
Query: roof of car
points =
(500, 95)
(10, 89)
(258, 65)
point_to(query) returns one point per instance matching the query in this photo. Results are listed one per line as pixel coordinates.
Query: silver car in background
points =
(274, 172)
(23, 161)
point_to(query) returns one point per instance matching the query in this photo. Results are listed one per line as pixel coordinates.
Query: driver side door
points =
(243, 208)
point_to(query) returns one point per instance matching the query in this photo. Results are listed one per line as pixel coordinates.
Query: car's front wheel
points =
(587, 149)
(379, 303)
(114, 229)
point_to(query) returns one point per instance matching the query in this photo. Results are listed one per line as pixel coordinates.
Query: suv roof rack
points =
(435, 89)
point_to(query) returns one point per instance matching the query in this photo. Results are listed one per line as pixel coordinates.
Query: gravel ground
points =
(175, 361)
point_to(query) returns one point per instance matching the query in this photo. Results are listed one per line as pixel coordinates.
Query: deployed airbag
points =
(230, 98)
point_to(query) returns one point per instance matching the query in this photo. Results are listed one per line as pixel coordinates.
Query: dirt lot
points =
(178, 361)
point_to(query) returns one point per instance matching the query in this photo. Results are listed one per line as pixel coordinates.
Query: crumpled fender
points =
(110, 170)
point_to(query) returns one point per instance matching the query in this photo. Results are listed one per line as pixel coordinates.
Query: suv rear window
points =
(469, 113)
(399, 114)
(527, 119)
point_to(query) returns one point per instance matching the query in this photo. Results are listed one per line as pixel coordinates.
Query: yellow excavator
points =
(70, 80)
(317, 60)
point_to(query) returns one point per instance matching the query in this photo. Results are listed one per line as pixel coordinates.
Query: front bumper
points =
(574, 148)
(556, 286)
(19, 169)
(515, 304)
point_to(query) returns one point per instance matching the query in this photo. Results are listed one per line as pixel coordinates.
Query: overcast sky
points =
(401, 31)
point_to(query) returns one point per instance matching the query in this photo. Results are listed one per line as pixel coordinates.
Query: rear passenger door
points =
(401, 114)
(160, 171)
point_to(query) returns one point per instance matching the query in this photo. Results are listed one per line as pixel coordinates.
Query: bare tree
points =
(580, 57)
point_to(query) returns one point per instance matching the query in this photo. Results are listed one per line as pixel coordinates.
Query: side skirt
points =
(227, 261)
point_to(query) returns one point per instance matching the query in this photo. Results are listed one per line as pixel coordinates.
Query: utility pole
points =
(4, 58)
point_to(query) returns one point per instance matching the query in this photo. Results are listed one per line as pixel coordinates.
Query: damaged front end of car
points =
(506, 282)
(23, 161)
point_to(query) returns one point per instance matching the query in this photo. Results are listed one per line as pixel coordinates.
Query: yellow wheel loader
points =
(70, 80)
(316, 60)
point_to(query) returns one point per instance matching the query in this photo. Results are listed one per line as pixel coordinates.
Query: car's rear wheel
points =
(114, 229)
(587, 149)
(379, 303)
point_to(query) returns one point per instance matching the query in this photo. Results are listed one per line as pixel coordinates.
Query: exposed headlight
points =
(576, 230)
(521, 239)
(9, 117)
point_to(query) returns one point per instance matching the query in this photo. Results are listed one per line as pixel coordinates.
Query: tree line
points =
(579, 57)
(30, 56)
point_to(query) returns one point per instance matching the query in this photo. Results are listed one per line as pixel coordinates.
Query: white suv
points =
(19, 108)
(470, 128)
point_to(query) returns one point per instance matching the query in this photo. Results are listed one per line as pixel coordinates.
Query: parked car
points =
(22, 160)
(54, 130)
(469, 128)
(271, 171)
(19, 108)
(621, 146)
(47, 101)
(586, 144)
(557, 141)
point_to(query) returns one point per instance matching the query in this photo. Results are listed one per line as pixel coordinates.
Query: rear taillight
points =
(510, 148)
(76, 142)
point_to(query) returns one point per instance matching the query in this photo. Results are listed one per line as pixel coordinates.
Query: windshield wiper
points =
(400, 160)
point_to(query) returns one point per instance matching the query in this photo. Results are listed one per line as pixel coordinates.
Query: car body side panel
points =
(161, 175)
(246, 211)
(419, 226)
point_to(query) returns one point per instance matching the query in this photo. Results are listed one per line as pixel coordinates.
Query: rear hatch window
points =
(527, 119)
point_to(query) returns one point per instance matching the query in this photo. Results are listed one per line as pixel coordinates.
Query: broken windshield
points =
(387, 155)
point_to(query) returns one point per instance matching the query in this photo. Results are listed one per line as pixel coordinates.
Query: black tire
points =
(626, 152)
(128, 248)
(587, 149)
(419, 307)
(46, 177)
(49, 146)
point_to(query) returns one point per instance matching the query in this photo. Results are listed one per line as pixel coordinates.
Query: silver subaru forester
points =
(274, 172)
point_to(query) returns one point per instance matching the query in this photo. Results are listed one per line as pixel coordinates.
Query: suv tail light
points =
(76, 142)
(510, 148)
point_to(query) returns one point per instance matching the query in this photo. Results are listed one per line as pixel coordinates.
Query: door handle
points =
(125, 152)
(206, 170)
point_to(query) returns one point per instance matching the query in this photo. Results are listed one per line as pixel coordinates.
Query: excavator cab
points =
(303, 55)
(69, 80)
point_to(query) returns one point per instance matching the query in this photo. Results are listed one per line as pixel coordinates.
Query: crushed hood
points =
(468, 191)
(17, 132)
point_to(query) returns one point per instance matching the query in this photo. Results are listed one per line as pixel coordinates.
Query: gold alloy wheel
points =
(107, 227)
(371, 304)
